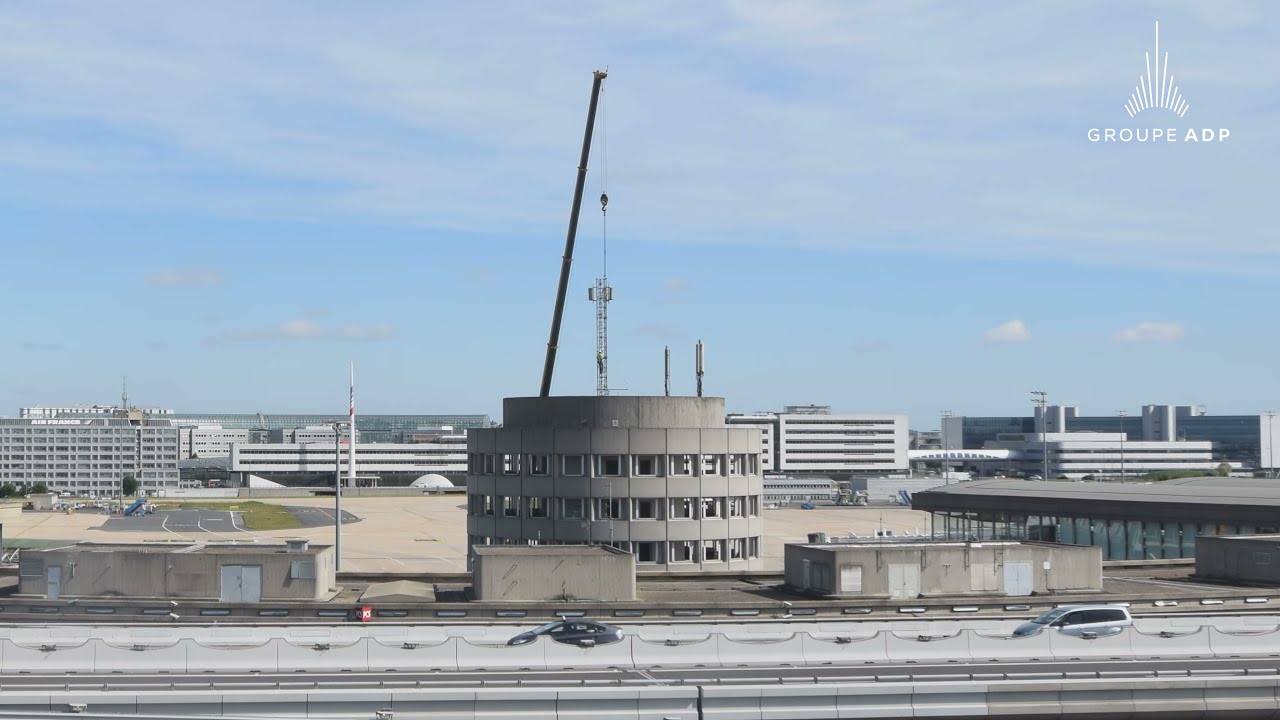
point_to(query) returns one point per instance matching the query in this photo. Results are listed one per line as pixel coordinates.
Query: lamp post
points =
(1123, 414)
(1041, 399)
(946, 448)
(1271, 440)
(337, 496)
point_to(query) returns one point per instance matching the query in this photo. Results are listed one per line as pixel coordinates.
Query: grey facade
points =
(809, 440)
(660, 477)
(232, 573)
(553, 574)
(88, 455)
(906, 570)
(1250, 559)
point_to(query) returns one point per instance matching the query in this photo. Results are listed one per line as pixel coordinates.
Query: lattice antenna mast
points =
(602, 294)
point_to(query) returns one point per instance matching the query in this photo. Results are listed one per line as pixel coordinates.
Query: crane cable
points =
(604, 180)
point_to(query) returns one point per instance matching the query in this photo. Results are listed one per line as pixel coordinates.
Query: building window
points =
(608, 465)
(737, 464)
(573, 508)
(681, 508)
(711, 464)
(754, 461)
(712, 508)
(573, 466)
(737, 548)
(610, 509)
(736, 506)
(510, 464)
(539, 464)
(681, 551)
(648, 552)
(511, 506)
(682, 464)
(753, 547)
(753, 503)
(488, 504)
(489, 464)
(537, 506)
(645, 509)
(646, 465)
(712, 550)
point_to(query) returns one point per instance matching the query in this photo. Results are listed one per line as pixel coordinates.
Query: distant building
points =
(1243, 439)
(48, 412)
(809, 440)
(1078, 454)
(312, 463)
(206, 441)
(88, 454)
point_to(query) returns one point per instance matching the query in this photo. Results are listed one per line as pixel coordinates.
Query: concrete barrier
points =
(140, 658)
(384, 656)
(66, 658)
(347, 704)
(472, 656)
(738, 702)
(203, 658)
(949, 699)
(668, 703)
(1240, 697)
(983, 647)
(498, 703)
(738, 653)
(871, 700)
(322, 656)
(1070, 647)
(819, 651)
(696, 653)
(445, 704)
(1170, 644)
(797, 701)
(613, 655)
(1243, 644)
(289, 703)
(598, 703)
(1024, 699)
(911, 648)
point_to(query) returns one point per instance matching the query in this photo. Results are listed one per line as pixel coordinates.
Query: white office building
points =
(384, 464)
(66, 412)
(811, 440)
(206, 441)
(1077, 454)
(87, 455)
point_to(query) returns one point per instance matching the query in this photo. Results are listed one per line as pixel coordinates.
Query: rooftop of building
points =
(548, 550)
(1196, 490)
(911, 543)
(182, 548)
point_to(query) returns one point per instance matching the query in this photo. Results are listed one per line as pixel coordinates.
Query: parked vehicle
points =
(582, 633)
(1080, 620)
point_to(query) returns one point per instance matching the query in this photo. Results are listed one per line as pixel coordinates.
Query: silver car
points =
(1079, 620)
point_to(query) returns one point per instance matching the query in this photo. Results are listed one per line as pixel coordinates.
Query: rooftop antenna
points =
(602, 294)
(666, 374)
(124, 394)
(698, 366)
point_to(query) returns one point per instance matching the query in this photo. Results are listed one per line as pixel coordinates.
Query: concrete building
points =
(1077, 454)
(661, 477)
(372, 427)
(206, 441)
(906, 570)
(1243, 439)
(311, 464)
(810, 440)
(1129, 521)
(49, 412)
(553, 574)
(230, 573)
(1248, 559)
(88, 455)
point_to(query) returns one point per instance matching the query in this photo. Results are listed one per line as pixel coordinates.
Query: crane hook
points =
(604, 202)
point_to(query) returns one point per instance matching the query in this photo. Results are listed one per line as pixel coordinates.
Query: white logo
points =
(1158, 91)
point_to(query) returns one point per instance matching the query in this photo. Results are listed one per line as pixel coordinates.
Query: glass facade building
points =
(1128, 521)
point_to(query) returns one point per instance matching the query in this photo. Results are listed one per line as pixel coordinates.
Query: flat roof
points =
(547, 550)
(184, 547)
(1231, 499)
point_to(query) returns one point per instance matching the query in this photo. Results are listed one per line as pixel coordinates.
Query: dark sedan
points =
(572, 632)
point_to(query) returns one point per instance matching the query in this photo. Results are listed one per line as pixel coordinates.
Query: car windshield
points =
(1052, 615)
(546, 628)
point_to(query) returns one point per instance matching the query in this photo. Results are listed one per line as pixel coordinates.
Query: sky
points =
(878, 206)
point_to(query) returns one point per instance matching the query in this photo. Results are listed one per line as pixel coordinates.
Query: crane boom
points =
(549, 367)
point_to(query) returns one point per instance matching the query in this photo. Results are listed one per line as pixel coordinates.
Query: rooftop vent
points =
(296, 545)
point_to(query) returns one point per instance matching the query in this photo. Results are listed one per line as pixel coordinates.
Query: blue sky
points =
(884, 206)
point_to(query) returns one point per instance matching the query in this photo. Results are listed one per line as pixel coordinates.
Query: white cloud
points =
(1151, 332)
(307, 330)
(1014, 331)
(185, 277)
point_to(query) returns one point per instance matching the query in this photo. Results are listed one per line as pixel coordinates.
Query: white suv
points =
(1081, 620)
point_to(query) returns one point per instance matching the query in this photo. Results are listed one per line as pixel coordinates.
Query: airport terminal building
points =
(1129, 521)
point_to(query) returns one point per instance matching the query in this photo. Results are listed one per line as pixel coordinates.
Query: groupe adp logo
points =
(1157, 92)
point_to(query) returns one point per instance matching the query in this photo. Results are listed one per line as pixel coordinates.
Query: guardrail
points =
(423, 650)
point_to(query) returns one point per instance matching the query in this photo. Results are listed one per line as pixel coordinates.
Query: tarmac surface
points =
(426, 534)
(212, 522)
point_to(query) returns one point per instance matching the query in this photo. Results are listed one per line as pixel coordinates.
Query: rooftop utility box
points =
(227, 572)
(890, 568)
(553, 573)
(1251, 559)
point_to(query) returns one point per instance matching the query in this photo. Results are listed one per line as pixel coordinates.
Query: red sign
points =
(366, 613)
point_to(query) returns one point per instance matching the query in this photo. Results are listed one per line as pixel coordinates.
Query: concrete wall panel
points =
(1068, 647)
(406, 655)
(1242, 644)
(732, 703)
(232, 658)
(438, 704)
(67, 658)
(984, 646)
(497, 703)
(738, 653)
(475, 656)
(613, 655)
(950, 700)
(598, 703)
(692, 653)
(783, 703)
(1177, 645)
(867, 700)
(904, 647)
(323, 656)
(154, 658)
(668, 703)
(859, 649)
